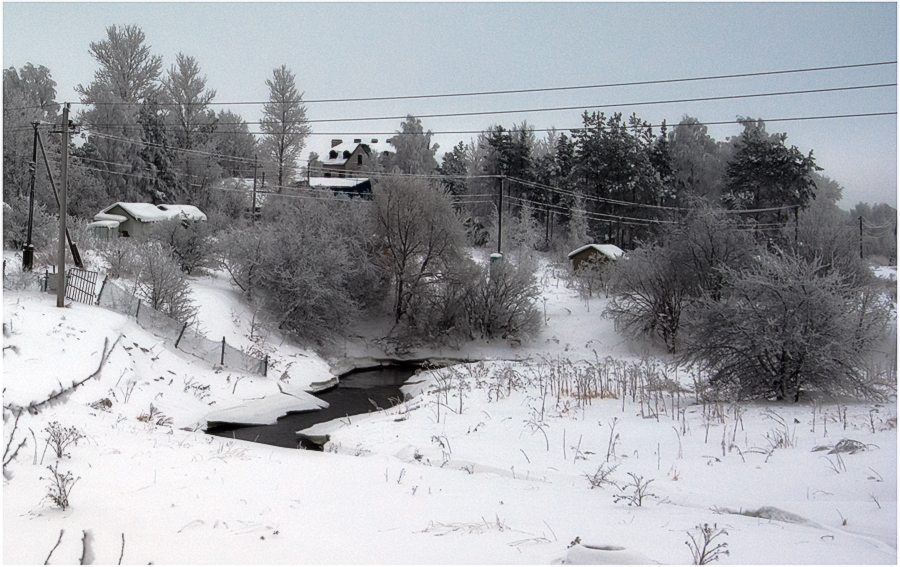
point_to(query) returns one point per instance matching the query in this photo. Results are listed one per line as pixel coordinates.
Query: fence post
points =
(222, 361)
(102, 287)
(180, 335)
(138, 312)
(266, 367)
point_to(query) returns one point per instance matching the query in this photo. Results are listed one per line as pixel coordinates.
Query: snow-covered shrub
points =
(121, 257)
(651, 293)
(162, 284)
(786, 324)
(309, 260)
(602, 476)
(502, 301)
(189, 241)
(635, 491)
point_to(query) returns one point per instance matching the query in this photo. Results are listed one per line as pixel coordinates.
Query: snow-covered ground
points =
(500, 476)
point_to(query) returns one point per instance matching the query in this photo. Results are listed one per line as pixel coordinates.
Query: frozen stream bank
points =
(357, 392)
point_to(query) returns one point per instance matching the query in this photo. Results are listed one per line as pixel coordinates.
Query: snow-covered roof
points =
(609, 250)
(345, 182)
(376, 145)
(109, 217)
(148, 212)
(104, 224)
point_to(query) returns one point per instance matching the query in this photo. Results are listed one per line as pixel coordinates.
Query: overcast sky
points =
(354, 50)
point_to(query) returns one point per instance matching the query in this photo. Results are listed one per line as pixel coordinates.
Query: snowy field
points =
(576, 447)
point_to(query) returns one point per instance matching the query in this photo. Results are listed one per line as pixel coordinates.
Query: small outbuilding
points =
(604, 252)
(131, 219)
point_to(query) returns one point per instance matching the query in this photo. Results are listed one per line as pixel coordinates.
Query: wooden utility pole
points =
(253, 204)
(64, 185)
(860, 237)
(28, 253)
(500, 215)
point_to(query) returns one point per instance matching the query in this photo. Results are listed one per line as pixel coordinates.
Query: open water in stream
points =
(357, 392)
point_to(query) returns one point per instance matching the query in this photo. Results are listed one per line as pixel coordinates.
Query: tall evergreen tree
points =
(764, 174)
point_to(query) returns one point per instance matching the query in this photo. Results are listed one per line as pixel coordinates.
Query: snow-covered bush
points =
(121, 257)
(786, 324)
(651, 291)
(309, 260)
(59, 438)
(189, 241)
(162, 284)
(501, 302)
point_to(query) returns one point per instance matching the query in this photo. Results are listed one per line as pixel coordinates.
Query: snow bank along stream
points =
(358, 391)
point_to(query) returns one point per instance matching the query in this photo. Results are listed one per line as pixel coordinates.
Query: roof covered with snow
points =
(148, 212)
(376, 145)
(609, 250)
(332, 182)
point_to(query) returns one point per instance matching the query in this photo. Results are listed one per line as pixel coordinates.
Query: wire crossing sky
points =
(507, 63)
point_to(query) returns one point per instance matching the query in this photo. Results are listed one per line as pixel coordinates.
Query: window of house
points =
(359, 159)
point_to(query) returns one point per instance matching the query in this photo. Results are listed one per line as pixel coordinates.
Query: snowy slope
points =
(502, 481)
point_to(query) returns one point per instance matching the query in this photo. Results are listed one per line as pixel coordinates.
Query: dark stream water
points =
(354, 395)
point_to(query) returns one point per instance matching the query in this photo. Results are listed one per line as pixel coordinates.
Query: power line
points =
(552, 109)
(531, 90)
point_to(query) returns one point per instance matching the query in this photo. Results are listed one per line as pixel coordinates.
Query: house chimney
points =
(335, 142)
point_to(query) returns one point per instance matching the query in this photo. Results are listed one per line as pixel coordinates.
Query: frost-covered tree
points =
(308, 263)
(284, 125)
(235, 143)
(29, 95)
(785, 325)
(128, 75)
(651, 294)
(765, 174)
(192, 123)
(162, 284)
(420, 233)
(414, 152)
(656, 284)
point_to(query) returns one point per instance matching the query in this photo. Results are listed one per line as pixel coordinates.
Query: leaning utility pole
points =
(28, 253)
(63, 207)
(76, 256)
